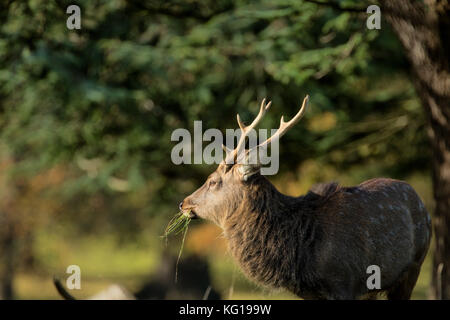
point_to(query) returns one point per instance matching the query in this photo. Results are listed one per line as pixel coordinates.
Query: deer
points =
(320, 244)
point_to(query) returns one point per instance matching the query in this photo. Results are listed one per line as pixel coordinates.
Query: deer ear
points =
(247, 170)
(249, 164)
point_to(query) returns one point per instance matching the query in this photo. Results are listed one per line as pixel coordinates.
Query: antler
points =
(284, 127)
(246, 129)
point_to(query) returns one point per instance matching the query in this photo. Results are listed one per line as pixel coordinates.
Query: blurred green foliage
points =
(101, 102)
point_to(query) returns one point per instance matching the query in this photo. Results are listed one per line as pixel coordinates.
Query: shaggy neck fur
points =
(266, 221)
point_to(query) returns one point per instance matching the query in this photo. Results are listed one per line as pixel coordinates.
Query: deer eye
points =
(213, 183)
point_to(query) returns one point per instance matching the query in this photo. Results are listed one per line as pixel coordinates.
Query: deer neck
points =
(261, 201)
(257, 230)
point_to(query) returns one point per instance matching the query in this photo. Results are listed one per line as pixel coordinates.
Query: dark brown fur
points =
(319, 245)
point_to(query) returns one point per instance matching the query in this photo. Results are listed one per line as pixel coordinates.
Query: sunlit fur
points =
(319, 245)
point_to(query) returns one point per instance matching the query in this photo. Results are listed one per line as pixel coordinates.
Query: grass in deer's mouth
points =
(178, 224)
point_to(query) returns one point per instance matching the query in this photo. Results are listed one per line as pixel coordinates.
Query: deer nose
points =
(180, 206)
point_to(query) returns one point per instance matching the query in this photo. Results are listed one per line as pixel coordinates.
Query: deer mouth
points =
(192, 214)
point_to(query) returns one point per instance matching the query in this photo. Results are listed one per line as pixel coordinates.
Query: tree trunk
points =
(7, 265)
(423, 29)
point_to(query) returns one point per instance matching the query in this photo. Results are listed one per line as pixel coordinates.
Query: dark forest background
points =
(86, 118)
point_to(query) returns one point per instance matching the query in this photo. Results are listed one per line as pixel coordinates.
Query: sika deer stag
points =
(318, 245)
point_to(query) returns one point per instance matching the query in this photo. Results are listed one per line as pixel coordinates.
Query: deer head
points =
(226, 188)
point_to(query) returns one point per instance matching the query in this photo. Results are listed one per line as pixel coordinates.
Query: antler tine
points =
(285, 126)
(246, 129)
(226, 149)
(262, 110)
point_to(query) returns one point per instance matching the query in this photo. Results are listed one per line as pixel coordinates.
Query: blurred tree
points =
(423, 29)
(103, 101)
